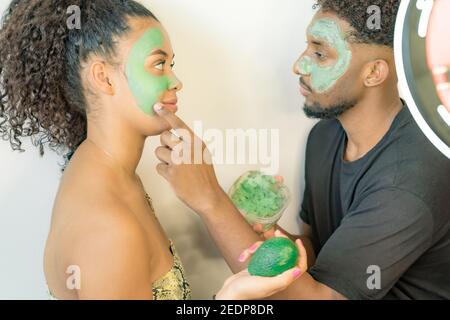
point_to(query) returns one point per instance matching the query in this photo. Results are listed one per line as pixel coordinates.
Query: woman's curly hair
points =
(41, 91)
(355, 13)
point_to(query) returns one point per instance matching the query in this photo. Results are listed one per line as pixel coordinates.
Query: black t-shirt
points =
(380, 224)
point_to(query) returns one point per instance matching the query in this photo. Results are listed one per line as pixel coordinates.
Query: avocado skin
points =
(273, 257)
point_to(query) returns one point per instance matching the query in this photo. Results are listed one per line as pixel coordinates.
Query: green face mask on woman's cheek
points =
(146, 87)
(324, 78)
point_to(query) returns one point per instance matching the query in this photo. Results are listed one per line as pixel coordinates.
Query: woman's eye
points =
(172, 65)
(160, 66)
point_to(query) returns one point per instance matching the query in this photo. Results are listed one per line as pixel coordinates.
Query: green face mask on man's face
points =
(323, 78)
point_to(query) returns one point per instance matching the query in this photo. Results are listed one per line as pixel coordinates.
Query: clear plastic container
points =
(260, 198)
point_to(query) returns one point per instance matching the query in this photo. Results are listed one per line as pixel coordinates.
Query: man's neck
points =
(368, 122)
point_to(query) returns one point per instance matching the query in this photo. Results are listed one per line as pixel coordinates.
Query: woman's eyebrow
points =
(159, 51)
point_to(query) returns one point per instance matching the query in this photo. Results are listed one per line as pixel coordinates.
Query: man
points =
(376, 211)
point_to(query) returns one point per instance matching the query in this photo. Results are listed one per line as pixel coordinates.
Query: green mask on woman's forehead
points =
(146, 87)
(324, 78)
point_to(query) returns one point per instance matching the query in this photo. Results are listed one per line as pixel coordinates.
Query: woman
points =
(69, 87)
(89, 91)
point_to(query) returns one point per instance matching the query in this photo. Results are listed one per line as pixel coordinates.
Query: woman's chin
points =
(171, 107)
(156, 128)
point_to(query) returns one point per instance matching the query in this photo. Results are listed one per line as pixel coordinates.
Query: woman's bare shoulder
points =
(113, 255)
(89, 209)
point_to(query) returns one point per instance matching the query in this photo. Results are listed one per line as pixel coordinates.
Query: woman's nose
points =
(175, 83)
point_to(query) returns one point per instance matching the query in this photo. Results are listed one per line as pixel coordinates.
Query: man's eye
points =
(320, 55)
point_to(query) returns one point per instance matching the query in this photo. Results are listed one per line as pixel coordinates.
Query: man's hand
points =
(266, 235)
(186, 164)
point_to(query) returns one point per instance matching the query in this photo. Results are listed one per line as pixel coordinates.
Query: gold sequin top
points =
(173, 285)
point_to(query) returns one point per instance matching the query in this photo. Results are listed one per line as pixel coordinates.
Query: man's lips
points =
(304, 89)
(305, 92)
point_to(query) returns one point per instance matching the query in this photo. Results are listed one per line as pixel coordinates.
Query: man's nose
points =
(296, 68)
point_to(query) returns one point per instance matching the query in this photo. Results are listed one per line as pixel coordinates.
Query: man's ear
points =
(376, 72)
(100, 78)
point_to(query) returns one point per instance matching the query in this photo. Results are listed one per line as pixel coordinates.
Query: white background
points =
(235, 59)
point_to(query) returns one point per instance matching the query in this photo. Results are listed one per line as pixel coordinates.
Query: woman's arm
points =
(244, 286)
(113, 258)
(294, 284)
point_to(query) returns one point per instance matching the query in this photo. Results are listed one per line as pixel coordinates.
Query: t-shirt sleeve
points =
(375, 244)
(304, 208)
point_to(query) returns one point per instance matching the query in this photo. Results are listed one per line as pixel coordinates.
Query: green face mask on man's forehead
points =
(146, 87)
(323, 78)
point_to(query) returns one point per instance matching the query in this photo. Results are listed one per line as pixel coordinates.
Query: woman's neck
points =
(122, 144)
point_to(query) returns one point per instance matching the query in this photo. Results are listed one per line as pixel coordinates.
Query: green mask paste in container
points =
(259, 194)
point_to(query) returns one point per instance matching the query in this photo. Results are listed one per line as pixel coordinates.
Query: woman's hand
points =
(243, 286)
(187, 165)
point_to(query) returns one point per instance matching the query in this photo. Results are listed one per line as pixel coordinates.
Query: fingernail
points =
(253, 248)
(279, 179)
(297, 272)
(158, 107)
(300, 242)
(242, 257)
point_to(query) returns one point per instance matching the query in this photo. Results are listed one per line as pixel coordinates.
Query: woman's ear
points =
(376, 72)
(101, 77)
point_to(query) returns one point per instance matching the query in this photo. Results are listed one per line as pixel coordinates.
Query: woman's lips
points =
(171, 106)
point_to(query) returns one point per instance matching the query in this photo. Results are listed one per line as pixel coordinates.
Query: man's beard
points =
(317, 111)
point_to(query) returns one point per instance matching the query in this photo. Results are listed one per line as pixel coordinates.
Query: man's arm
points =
(230, 231)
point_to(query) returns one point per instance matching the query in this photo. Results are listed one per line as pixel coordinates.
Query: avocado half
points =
(274, 257)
